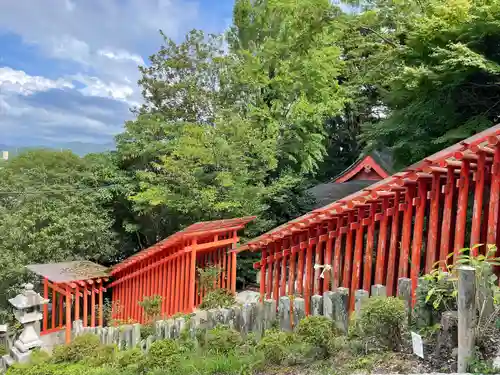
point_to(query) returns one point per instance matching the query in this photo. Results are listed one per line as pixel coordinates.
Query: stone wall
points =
(247, 318)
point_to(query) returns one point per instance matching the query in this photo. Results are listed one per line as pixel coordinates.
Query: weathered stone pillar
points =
(299, 311)
(466, 316)
(316, 305)
(247, 317)
(378, 290)
(341, 309)
(360, 297)
(404, 292)
(269, 313)
(328, 307)
(284, 313)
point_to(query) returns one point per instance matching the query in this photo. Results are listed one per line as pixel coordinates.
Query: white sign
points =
(418, 345)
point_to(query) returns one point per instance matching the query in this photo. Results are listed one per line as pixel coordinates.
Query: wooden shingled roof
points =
(67, 272)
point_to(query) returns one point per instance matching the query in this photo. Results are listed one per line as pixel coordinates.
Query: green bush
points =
(164, 353)
(147, 330)
(217, 299)
(317, 331)
(80, 348)
(132, 359)
(382, 321)
(284, 348)
(222, 340)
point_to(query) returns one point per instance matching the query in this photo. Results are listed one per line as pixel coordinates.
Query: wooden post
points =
(466, 316)
(494, 208)
(475, 237)
(449, 190)
(370, 238)
(328, 259)
(346, 279)
(233, 272)
(337, 270)
(358, 250)
(283, 272)
(463, 198)
(45, 323)
(432, 237)
(300, 267)
(421, 202)
(406, 236)
(269, 261)
(318, 259)
(68, 315)
(309, 270)
(101, 303)
(85, 305)
(276, 276)
(291, 276)
(393, 246)
(92, 305)
(263, 264)
(380, 266)
(192, 276)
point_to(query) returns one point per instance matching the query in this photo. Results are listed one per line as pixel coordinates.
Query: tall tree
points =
(52, 208)
(440, 73)
(286, 65)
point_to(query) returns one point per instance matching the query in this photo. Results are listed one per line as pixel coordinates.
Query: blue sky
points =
(68, 68)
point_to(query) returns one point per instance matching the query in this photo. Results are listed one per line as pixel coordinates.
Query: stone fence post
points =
(466, 316)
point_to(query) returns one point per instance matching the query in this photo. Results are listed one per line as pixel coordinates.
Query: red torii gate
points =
(72, 287)
(425, 204)
(168, 269)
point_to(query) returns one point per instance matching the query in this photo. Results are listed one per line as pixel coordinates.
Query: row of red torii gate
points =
(397, 227)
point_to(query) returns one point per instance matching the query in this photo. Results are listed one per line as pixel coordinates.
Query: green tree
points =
(439, 76)
(52, 208)
(285, 65)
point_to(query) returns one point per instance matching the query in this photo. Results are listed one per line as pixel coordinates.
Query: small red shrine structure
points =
(395, 228)
(169, 269)
(366, 168)
(75, 290)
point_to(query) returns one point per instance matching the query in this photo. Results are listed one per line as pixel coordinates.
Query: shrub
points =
(147, 330)
(80, 348)
(317, 331)
(382, 320)
(130, 359)
(217, 299)
(222, 340)
(164, 353)
(283, 348)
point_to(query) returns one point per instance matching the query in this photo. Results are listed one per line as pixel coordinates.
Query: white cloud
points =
(17, 81)
(96, 87)
(121, 55)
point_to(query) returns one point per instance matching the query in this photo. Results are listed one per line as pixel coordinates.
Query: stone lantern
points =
(27, 311)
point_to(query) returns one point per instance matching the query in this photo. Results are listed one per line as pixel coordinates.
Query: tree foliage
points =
(242, 123)
(53, 207)
(439, 78)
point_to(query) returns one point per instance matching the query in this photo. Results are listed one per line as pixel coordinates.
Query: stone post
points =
(328, 307)
(404, 292)
(27, 312)
(360, 297)
(378, 291)
(466, 316)
(341, 309)
(316, 305)
(299, 311)
(269, 313)
(284, 313)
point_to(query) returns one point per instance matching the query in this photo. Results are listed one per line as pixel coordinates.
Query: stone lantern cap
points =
(27, 299)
